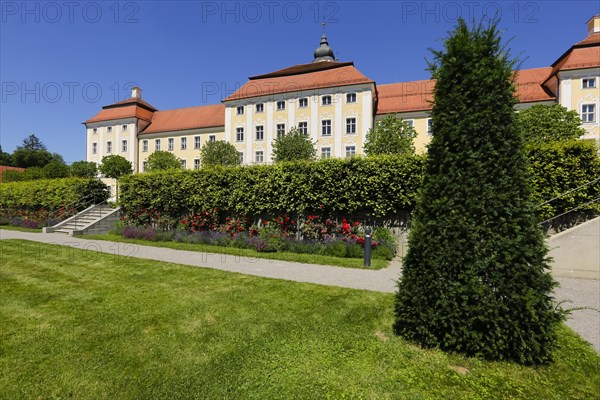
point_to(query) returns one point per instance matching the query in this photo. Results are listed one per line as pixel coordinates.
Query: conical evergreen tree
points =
(474, 278)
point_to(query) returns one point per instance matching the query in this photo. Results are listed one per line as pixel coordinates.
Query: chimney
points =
(136, 93)
(594, 24)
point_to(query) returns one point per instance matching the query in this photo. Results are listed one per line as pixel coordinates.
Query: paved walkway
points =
(582, 293)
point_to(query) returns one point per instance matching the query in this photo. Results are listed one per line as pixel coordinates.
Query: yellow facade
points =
(185, 146)
(349, 113)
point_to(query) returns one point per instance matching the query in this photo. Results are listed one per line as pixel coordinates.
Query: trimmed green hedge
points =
(380, 187)
(51, 194)
(560, 167)
(376, 186)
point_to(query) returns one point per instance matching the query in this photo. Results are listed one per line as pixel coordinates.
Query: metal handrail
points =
(597, 199)
(570, 191)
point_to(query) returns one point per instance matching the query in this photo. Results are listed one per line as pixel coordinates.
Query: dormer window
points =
(280, 105)
(240, 110)
(326, 100)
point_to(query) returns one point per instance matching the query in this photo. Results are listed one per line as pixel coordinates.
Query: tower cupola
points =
(324, 52)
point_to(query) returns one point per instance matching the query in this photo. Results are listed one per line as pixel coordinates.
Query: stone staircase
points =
(97, 219)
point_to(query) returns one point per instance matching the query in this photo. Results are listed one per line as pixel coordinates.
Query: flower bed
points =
(314, 235)
(34, 219)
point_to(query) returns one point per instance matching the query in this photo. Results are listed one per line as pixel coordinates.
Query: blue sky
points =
(61, 61)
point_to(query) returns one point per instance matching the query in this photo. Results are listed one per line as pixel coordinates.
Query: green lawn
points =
(85, 325)
(207, 248)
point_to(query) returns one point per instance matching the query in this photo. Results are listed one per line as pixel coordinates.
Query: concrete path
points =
(582, 293)
(576, 251)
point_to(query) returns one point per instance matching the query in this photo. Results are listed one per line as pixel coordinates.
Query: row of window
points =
(109, 129)
(181, 161)
(302, 127)
(171, 143)
(325, 153)
(302, 103)
(109, 147)
(259, 157)
(157, 144)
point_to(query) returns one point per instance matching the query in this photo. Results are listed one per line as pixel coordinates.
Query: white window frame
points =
(145, 145)
(183, 163)
(326, 127)
(303, 102)
(281, 105)
(144, 166)
(326, 100)
(197, 142)
(587, 116)
(239, 134)
(280, 131)
(196, 163)
(589, 79)
(241, 156)
(156, 144)
(350, 151)
(124, 146)
(239, 110)
(108, 129)
(303, 129)
(94, 131)
(429, 126)
(259, 156)
(212, 138)
(351, 97)
(94, 148)
(109, 147)
(260, 107)
(259, 129)
(351, 125)
(183, 144)
(325, 152)
(124, 128)
(171, 144)
(410, 122)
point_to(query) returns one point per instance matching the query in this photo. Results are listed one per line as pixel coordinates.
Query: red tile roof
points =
(529, 85)
(301, 77)
(187, 118)
(127, 111)
(405, 96)
(129, 108)
(585, 54)
(418, 95)
(6, 168)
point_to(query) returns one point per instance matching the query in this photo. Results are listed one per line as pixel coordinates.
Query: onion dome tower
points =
(324, 52)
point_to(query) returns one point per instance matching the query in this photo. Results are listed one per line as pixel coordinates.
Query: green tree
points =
(5, 158)
(12, 175)
(219, 153)
(26, 158)
(32, 142)
(474, 279)
(84, 169)
(542, 124)
(114, 167)
(391, 135)
(293, 146)
(163, 160)
(55, 169)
